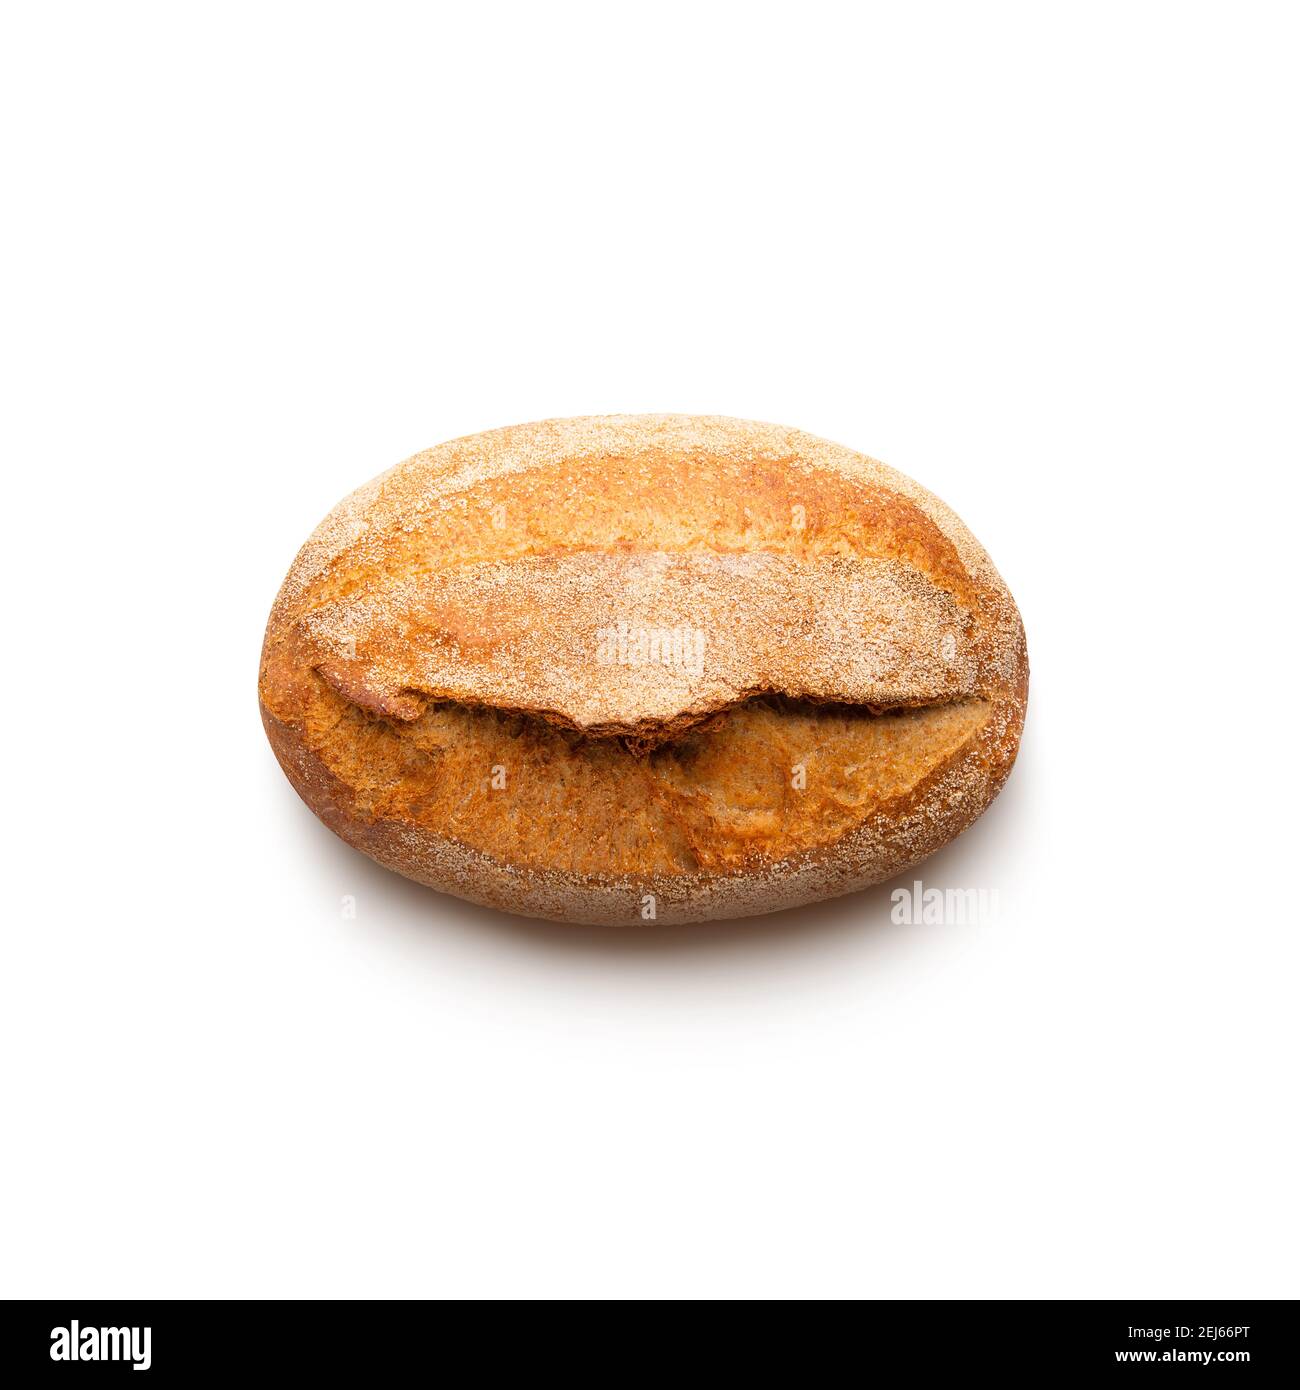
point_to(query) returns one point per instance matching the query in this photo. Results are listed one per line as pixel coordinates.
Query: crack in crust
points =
(647, 644)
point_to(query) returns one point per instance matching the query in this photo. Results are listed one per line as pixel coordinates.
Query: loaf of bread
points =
(632, 668)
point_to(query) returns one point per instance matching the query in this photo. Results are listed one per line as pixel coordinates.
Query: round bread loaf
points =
(629, 668)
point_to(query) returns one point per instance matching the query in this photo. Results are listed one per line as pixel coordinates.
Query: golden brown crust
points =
(572, 668)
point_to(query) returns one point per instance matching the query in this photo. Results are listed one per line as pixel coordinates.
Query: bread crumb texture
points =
(630, 668)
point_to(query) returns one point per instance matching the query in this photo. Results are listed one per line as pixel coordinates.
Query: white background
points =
(1041, 257)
